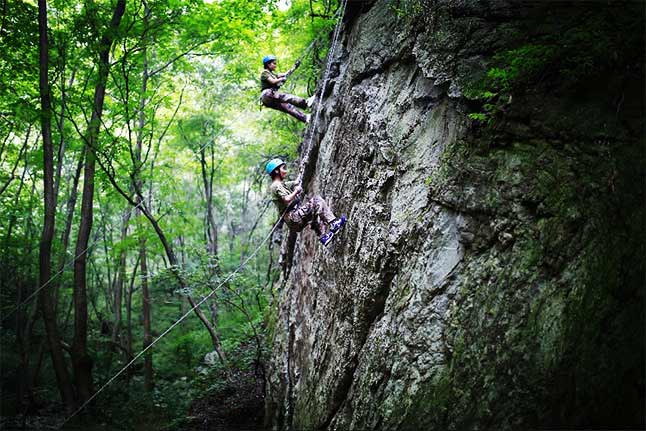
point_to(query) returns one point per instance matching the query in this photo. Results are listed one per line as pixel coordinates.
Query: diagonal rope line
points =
(170, 328)
(65, 267)
(341, 12)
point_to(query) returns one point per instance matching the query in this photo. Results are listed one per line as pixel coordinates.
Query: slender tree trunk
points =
(208, 174)
(215, 316)
(82, 361)
(215, 338)
(21, 185)
(65, 235)
(131, 285)
(210, 225)
(146, 300)
(108, 244)
(61, 131)
(45, 271)
(148, 358)
(120, 280)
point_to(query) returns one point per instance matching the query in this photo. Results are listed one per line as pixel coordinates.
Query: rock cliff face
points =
(491, 273)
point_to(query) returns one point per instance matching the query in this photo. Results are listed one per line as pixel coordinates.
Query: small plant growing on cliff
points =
(558, 61)
(407, 8)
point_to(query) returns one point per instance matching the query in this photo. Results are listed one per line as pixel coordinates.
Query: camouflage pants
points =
(314, 212)
(284, 102)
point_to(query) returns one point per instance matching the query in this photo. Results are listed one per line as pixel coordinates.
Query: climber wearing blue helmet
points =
(296, 213)
(270, 82)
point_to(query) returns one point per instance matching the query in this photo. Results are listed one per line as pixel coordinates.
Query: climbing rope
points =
(326, 75)
(337, 14)
(171, 327)
(304, 161)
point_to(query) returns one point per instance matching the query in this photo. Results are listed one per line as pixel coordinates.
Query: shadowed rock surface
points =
(491, 272)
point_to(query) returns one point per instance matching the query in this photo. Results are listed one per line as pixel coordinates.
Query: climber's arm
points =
(276, 81)
(283, 76)
(290, 197)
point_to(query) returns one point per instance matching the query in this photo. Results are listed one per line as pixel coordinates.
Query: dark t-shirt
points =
(264, 79)
(279, 190)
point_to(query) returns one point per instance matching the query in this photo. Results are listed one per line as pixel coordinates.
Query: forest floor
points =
(237, 405)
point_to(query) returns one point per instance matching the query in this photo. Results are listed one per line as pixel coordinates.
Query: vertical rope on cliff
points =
(304, 161)
(326, 76)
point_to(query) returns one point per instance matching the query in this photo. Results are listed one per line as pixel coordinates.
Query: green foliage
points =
(407, 8)
(197, 115)
(19, 63)
(560, 58)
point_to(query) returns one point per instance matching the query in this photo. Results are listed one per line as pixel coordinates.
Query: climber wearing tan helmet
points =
(270, 82)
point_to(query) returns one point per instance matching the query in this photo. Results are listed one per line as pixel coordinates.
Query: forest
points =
(132, 186)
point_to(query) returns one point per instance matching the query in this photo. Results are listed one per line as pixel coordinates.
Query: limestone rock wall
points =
(490, 275)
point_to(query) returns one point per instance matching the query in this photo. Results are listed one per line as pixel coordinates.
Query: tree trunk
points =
(120, 280)
(65, 235)
(211, 229)
(45, 270)
(148, 358)
(82, 361)
(215, 338)
(131, 285)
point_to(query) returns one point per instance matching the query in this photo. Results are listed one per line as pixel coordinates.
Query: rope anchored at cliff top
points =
(326, 76)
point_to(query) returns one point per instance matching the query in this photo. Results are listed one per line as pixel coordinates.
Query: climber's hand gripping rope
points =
(289, 73)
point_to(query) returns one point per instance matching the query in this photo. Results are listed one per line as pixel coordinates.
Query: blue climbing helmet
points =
(272, 165)
(267, 58)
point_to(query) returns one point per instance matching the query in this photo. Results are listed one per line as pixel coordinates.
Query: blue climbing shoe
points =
(327, 238)
(335, 226)
(338, 224)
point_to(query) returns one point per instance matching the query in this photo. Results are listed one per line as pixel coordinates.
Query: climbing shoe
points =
(327, 238)
(307, 118)
(337, 224)
(310, 100)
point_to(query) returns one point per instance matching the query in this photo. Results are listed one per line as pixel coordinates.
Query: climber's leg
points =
(299, 217)
(320, 208)
(289, 109)
(290, 98)
(285, 103)
(320, 215)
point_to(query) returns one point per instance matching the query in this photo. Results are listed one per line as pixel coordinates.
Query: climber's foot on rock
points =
(335, 226)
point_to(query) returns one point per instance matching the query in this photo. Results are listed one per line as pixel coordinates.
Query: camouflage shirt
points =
(279, 190)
